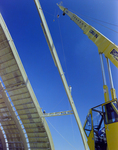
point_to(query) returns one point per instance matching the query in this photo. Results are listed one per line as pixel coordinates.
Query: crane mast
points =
(105, 46)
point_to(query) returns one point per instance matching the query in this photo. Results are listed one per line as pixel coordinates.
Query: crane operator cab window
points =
(95, 130)
(88, 126)
(101, 126)
(88, 129)
(111, 112)
(99, 129)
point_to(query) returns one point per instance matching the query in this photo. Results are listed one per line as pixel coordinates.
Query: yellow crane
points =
(101, 134)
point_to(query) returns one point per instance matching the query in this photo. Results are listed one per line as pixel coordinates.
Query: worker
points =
(44, 111)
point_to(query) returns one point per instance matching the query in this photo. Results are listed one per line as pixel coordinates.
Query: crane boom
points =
(110, 138)
(58, 65)
(105, 46)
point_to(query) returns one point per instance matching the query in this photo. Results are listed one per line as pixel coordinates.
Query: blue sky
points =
(78, 55)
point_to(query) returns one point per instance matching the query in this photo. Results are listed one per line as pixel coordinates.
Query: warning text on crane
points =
(93, 33)
(114, 53)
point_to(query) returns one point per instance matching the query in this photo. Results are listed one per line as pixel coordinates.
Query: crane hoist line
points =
(105, 46)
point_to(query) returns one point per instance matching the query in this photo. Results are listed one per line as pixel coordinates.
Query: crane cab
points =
(101, 126)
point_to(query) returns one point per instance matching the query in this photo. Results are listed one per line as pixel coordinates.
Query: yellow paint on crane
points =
(105, 46)
(112, 135)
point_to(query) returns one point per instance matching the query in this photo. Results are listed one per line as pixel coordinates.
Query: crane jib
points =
(105, 46)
